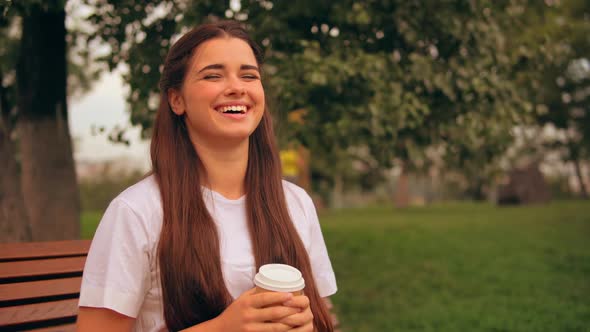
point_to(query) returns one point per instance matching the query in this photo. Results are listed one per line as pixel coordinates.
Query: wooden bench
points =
(40, 285)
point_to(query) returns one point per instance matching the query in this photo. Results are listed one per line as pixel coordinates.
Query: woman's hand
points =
(302, 321)
(260, 312)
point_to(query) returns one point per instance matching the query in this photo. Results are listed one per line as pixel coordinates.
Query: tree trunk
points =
(338, 192)
(48, 175)
(14, 223)
(580, 177)
(402, 191)
(475, 189)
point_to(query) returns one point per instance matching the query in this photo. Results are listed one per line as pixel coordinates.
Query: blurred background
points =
(446, 144)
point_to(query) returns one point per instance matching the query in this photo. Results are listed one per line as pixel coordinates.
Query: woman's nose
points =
(235, 87)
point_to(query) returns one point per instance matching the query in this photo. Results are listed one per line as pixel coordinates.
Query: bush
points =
(97, 192)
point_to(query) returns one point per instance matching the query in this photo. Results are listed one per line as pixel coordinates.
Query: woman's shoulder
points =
(135, 216)
(297, 196)
(292, 189)
(142, 197)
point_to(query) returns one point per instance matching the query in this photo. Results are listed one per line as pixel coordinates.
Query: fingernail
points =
(288, 303)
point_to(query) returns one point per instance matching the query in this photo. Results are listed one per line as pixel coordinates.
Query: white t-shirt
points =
(120, 272)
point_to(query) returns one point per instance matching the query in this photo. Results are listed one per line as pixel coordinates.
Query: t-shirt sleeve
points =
(318, 254)
(117, 271)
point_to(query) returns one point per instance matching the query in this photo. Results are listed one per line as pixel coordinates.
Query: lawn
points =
(458, 267)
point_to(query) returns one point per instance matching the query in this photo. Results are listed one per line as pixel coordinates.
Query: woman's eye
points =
(211, 77)
(250, 77)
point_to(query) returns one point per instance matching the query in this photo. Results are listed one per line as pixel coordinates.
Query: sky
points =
(105, 106)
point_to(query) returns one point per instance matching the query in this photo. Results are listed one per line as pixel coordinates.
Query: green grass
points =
(462, 267)
(458, 267)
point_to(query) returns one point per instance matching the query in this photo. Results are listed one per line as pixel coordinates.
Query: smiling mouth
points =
(235, 109)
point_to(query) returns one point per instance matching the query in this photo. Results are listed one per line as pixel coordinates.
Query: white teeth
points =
(241, 108)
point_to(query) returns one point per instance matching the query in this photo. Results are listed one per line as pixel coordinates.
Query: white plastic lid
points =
(279, 278)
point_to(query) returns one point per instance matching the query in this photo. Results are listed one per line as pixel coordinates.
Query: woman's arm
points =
(251, 311)
(102, 319)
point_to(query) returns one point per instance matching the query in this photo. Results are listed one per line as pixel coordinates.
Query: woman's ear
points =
(176, 101)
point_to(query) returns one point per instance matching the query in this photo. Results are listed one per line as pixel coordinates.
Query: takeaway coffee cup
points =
(279, 278)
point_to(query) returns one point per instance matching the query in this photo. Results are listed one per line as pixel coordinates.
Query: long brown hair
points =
(193, 289)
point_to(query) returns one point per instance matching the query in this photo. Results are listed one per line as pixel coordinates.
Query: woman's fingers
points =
(268, 307)
(270, 327)
(298, 319)
(257, 312)
(303, 317)
(305, 328)
(268, 299)
(275, 313)
(300, 301)
(250, 291)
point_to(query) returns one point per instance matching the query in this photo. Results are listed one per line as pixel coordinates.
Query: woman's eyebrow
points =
(220, 66)
(213, 66)
(246, 67)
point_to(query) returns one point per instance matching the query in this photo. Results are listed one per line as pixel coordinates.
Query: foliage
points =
(379, 81)
(140, 36)
(383, 72)
(82, 71)
(9, 41)
(397, 74)
(97, 192)
(553, 70)
(564, 92)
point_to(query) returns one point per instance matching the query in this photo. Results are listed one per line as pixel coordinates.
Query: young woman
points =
(179, 250)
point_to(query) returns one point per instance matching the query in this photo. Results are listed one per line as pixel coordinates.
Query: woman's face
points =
(222, 95)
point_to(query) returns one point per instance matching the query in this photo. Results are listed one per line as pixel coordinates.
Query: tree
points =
(370, 74)
(396, 76)
(558, 76)
(14, 222)
(37, 117)
(566, 92)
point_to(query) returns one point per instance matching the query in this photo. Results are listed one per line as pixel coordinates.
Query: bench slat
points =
(41, 267)
(59, 328)
(31, 313)
(43, 288)
(15, 251)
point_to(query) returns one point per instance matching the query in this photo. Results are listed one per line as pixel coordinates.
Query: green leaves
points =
(376, 76)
